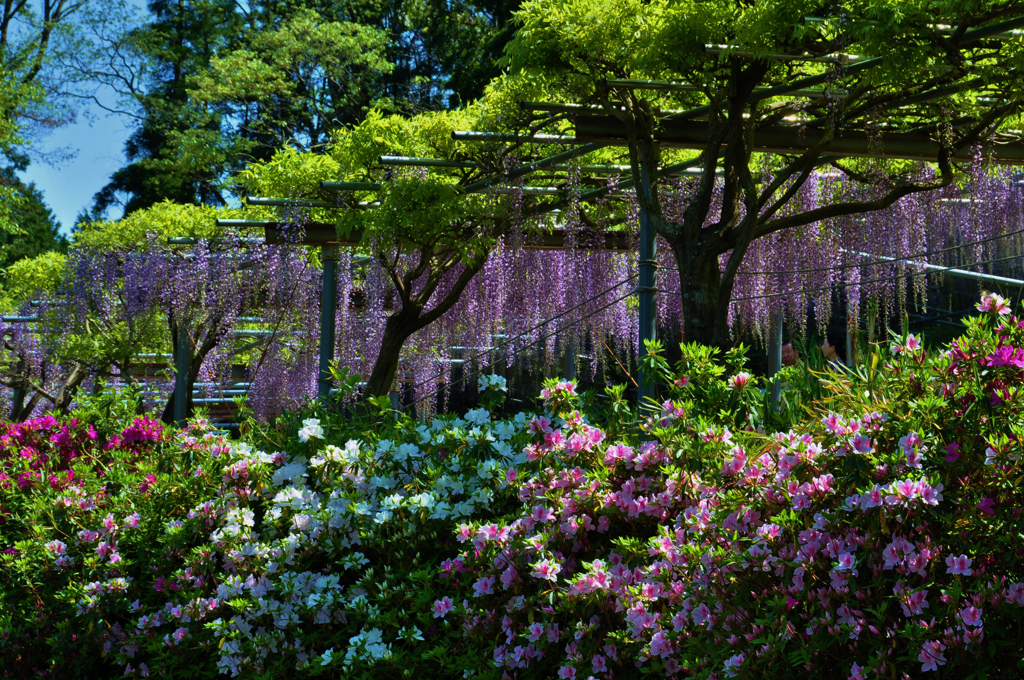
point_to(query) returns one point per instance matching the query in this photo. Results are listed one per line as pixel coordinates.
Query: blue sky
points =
(98, 147)
(69, 186)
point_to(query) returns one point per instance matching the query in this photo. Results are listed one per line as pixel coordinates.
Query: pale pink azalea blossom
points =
(959, 565)
(931, 656)
(995, 303)
(971, 616)
(732, 665)
(1015, 594)
(442, 607)
(57, 547)
(484, 586)
(740, 381)
(546, 569)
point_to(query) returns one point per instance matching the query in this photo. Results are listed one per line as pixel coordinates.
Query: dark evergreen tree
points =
(230, 84)
(38, 229)
(179, 42)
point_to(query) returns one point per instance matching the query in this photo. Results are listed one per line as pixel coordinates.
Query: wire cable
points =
(890, 261)
(467, 375)
(859, 283)
(499, 347)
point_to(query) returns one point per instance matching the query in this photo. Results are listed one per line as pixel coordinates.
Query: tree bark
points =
(411, 318)
(397, 330)
(699, 284)
(198, 357)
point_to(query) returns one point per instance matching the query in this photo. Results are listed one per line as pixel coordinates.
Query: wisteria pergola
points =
(809, 142)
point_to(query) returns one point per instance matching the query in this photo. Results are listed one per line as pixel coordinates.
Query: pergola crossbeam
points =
(787, 140)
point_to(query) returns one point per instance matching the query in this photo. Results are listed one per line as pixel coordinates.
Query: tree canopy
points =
(809, 83)
(216, 87)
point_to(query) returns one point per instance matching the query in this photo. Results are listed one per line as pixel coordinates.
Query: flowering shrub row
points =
(880, 537)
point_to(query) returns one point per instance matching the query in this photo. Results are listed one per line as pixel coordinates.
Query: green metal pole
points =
(182, 368)
(18, 398)
(328, 304)
(775, 359)
(647, 269)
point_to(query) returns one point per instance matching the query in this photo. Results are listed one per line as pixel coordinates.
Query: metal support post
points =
(647, 269)
(569, 361)
(182, 368)
(328, 302)
(18, 398)
(775, 358)
(541, 349)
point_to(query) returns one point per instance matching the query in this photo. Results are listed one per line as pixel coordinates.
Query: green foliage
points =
(178, 152)
(28, 278)
(161, 221)
(415, 210)
(36, 229)
(231, 86)
(295, 81)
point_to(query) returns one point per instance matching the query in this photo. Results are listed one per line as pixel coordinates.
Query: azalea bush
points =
(192, 556)
(878, 537)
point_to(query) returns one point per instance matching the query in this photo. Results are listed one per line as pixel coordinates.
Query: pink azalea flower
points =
(484, 586)
(931, 656)
(845, 562)
(57, 547)
(442, 607)
(542, 514)
(661, 645)
(546, 569)
(88, 536)
(986, 506)
(732, 665)
(540, 424)
(1006, 356)
(508, 577)
(959, 565)
(994, 303)
(952, 452)
(1015, 594)
(971, 616)
(740, 381)
(701, 614)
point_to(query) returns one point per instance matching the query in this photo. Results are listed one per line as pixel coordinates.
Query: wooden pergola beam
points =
(690, 134)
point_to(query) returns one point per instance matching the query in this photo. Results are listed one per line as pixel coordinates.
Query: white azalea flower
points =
(310, 430)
